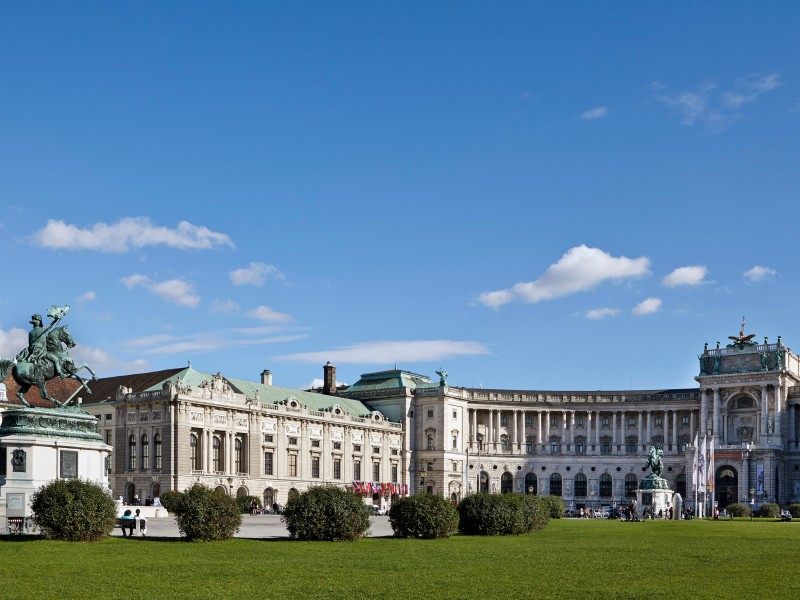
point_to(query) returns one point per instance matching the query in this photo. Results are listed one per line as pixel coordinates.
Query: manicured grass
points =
(568, 559)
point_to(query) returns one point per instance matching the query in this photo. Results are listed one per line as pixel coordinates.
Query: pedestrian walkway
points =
(253, 527)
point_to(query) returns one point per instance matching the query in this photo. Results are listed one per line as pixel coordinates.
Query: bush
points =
(555, 505)
(426, 516)
(738, 510)
(504, 514)
(794, 510)
(204, 515)
(74, 510)
(243, 502)
(769, 510)
(170, 500)
(326, 513)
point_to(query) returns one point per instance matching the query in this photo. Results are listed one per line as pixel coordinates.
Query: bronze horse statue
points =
(27, 373)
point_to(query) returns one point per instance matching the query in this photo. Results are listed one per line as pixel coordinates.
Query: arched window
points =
(237, 456)
(680, 485)
(580, 485)
(530, 484)
(157, 452)
(216, 453)
(132, 452)
(483, 483)
(155, 491)
(506, 483)
(269, 498)
(631, 485)
(430, 441)
(145, 452)
(293, 493)
(193, 452)
(605, 485)
(555, 484)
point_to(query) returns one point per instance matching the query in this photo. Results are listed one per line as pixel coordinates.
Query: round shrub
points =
(204, 515)
(794, 510)
(426, 516)
(769, 510)
(243, 502)
(170, 500)
(326, 513)
(738, 510)
(73, 510)
(503, 514)
(556, 506)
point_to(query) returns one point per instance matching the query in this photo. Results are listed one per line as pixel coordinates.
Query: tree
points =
(205, 515)
(426, 516)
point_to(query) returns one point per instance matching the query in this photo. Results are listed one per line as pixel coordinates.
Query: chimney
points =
(329, 387)
(266, 377)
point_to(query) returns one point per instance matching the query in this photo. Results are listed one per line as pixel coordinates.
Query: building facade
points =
(395, 432)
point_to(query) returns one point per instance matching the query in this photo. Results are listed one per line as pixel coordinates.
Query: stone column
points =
(572, 427)
(666, 431)
(778, 408)
(490, 431)
(474, 428)
(639, 431)
(791, 409)
(703, 412)
(522, 439)
(614, 432)
(564, 439)
(597, 428)
(649, 428)
(764, 419)
(498, 434)
(588, 430)
(515, 441)
(692, 426)
(675, 430)
(547, 428)
(539, 433)
(716, 422)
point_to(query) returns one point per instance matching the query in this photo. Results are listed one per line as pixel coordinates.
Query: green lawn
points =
(569, 559)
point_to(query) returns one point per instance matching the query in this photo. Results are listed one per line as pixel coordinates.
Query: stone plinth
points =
(40, 445)
(654, 492)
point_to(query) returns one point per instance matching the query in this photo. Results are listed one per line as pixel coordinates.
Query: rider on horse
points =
(37, 351)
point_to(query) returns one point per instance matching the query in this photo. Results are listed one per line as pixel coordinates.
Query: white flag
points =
(701, 467)
(695, 461)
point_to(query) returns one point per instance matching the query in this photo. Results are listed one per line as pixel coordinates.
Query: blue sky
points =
(528, 195)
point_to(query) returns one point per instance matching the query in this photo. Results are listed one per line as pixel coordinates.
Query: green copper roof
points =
(394, 379)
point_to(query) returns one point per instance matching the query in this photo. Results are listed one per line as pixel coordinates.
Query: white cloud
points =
(716, 109)
(386, 352)
(759, 273)
(87, 296)
(12, 341)
(228, 307)
(692, 275)
(602, 313)
(175, 291)
(595, 113)
(579, 270)
(256, 273)
(211, 341)
(317, 384)
(647, 306)
(126, 234)
(265, 313)
(104, 363)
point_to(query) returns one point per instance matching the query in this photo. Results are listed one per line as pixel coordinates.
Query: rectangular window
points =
(269, 466)
(455, 466)
(269, 438)
(356, 447)
(630, 447)
(604, 421)
(659, 421)
(553, 421)
(357, 470)
(108, 417)
(430, 466)
(553, 448)
(579, 421)
(528, 420)
(605, 448)
(376, 449)
(337, 468)
(455, 442)
(631, 421)
(157, 453)
(579, 448)
(315, 443)
(315, 467)
(430, 413)
(455, 414)
(292, 465)
(108, 437)
(394, 472)
(529, 447)
(503, 420)
(293, 441)
(376, 471)
(395, 452)
(337, 445)
(685, 421)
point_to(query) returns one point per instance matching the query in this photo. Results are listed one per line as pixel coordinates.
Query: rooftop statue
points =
(742, 340)
(46, 357)
(442, 377)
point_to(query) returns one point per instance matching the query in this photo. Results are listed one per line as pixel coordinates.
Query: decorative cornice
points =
(70, 422)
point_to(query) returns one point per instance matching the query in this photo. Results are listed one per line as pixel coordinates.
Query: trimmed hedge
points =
(794, 510)
(73, 510)
(326, 513)
(170, 500)
(426, 516)
(738, 510)
(769, 510)
(555, 505)
(203, 515)
(502, 514)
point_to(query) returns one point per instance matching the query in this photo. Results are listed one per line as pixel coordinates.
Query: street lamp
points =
(422, 475)
(230, 486)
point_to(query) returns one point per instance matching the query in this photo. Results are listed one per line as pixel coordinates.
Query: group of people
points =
(147, 501)
(132, 522)
(650, 513)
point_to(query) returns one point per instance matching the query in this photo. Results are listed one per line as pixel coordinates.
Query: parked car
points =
(375, 510)
(600, 513)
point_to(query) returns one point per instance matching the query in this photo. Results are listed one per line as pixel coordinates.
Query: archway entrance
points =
(727, 485)
(483, 483)
(506, 483)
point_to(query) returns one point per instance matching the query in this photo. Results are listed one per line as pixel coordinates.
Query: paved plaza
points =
(253, 527)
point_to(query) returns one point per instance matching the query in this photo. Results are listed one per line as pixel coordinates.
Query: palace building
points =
(396, 432)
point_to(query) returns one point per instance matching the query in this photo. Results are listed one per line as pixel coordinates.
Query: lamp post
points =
(422, 475)
(230, 486)
(752, 502)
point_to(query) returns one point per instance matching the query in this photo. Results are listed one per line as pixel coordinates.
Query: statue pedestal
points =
(654, 492)
(40, 445)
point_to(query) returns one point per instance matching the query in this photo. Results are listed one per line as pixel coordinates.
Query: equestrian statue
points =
(655, 460)
(46, 357)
